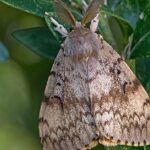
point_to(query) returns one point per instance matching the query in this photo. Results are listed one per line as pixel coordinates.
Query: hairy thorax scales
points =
(81, 44)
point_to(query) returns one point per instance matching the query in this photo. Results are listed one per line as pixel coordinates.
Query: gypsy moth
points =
(91, 94)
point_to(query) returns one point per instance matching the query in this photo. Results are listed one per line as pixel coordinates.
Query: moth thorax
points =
(78, 24)
(82, 44)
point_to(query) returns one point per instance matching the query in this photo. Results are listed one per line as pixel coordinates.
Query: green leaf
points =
(131, 64)
(143, 4)
(15, 137)
(113, 4)
(3, 52)
(15, 104)
(141, 39)
(106, 30)
(36, 7)
(143, 72)
(14, 89)
(39, 40)
(115, 27)
(124, 9)
(115, 30)
(127, 13)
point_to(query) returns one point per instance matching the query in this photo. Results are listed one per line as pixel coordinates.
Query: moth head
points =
(64, 13)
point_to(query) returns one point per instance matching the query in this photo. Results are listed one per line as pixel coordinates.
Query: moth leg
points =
(101, 37)
(101, 40)
(94, 23)
(59, 28)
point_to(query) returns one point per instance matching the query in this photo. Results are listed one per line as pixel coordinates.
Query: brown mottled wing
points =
(64, 13)
(66, 121)
(120, 105)
(92, 11)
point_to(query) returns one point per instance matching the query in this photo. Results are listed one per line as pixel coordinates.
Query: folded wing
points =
(66, 121)
(120, 105)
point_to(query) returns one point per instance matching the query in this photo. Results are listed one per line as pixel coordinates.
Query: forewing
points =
(64, 13)
(120, 105)
(91, 12)
(66, 121)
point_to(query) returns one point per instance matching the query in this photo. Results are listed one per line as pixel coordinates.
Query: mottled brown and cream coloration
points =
(91, 95)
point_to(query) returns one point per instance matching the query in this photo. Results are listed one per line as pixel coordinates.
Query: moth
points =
(91, 94)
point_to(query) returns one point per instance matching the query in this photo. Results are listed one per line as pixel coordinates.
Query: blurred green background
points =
(23, 76)
(24, 68)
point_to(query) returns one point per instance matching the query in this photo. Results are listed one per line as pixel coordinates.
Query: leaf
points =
(108, 12)
(141, 39)
(106, 30)
(15, 126)
(129, 11)
(143, 4)
(15, 137)
(36, 7)
(14, 89)
(131, 64)
(3, 52)
(143, 72)
(115, 30)
(125, 9)
(113, 4)
(39, 40)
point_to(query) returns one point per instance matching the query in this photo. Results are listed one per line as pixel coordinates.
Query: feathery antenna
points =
(92, 11)
(64, 13)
